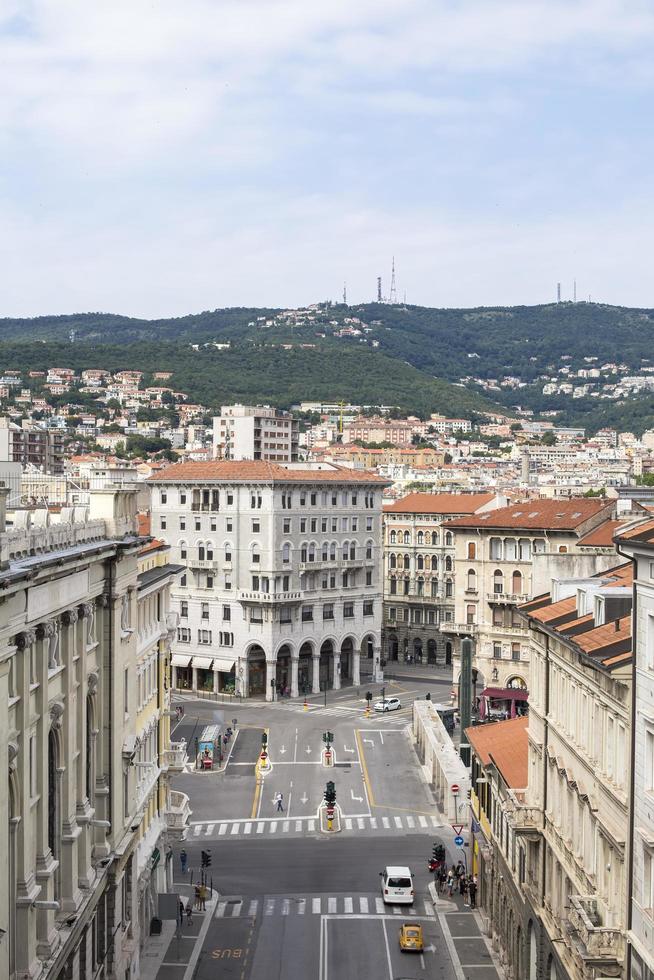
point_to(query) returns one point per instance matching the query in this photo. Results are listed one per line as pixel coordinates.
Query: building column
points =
(295, 663)
(356, 668)
(194, 681)
(242, 677)
(315, 673)
(271, 679)
(337, 671)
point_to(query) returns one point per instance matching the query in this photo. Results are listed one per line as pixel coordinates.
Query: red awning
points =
(506, 693)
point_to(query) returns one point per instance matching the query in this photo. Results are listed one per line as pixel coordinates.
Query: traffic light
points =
(438, 852)
(328, 737)
(205, 858)
(330, 794)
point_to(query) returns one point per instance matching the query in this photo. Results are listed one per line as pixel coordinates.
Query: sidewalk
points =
(469, 949)
(174, 954)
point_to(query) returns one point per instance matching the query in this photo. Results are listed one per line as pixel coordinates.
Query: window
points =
(213, 523)
(286, 553)
(126, 690)
(307, 614)
(470, 614)
(198, 524)
(449, 539)
(393, 584)
(472, 550)
(345, 523)
(33, 767)
(449, 588)
(314, 499)
(182, 549)
(183, 609)
(348, 610)
(256, 615)
(497, 651)
(516, 583)
(407, 562)
(448, 563)
(227, 613)
(515, 651)
(182, 497)
(407, 537)
(256, 558)
(285, 614)
(183, 635)
(368, 550)
(256, 526)
(334, 499)
(434, 588)
(303, 525)
(368, 607)
(204, 606)
(323, 525)
(229, 524)
(472, 580)
(228, 553)
(303, 499)
(328, 610)
(314, 525)
(392, 561)
(164, 497)
(230, 498)
(393, 537)
(392, 614)
(226, 639)
(368, 523)
(563, 549)
(495, 548)
(163, 523)
(334, 524)
(286, 583)
(228, 584)
(355, 523)
(182, 523)
(201, 552)
(407, 583)
(286, 525)
(210, 581)
(204, 636)
(182, 581)
(498, 582)
(255, 583)
(434, 563)
(421, 537)
(369, 577)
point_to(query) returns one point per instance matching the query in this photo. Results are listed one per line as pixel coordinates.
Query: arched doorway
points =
(256, 671)
(533, 951)
(393, 647)
(347, 650)
(283, 671)
(431, 652)
(326, 665)
(305, 668)
(417, 650)
(448, 654)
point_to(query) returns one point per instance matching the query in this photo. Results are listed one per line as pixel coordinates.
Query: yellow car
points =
(411, 938)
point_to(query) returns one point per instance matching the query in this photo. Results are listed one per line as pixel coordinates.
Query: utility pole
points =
(465, 697)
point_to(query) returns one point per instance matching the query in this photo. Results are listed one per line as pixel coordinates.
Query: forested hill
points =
(370, 353)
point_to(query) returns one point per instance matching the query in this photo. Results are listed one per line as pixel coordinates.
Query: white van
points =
(397, 885)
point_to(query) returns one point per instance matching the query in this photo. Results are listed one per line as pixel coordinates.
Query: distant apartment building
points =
(400, 455)
(399, 432)
(31, 446)
(503, 557)
(282, 589)
(448, 426)
(419, 573)
(255, 432)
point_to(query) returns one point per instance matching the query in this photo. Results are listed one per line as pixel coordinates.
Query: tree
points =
(548, 439)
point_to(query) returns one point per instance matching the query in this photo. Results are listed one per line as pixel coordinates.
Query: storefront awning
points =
(505, 693)
(180, 660)
(202, 663)
(224, 665)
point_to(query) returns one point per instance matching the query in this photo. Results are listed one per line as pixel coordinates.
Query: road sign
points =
(457, 828)
(455, 788)
(459, 841)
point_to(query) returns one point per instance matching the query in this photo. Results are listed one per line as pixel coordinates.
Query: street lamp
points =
(272, 689)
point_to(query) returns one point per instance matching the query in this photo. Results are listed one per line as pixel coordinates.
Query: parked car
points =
(388, 704)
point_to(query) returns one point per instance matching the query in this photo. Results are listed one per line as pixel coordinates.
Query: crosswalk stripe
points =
(348, 823)
(286, 824)
(429, 908)
(347, 905)
(315, 906)
(331, 905)
(261, 827)
(410, 821)
(254, 905)
(236, 910)
(397, 910)
(373, 823)
(220, 909)
(273, 827)
(196, 830)
(434, 822)
(286, 906)
(298, 825)
(269, 906)
(386, 822)
(222, 829)
(312, 825)
(422, 821)
(360, 823)
(380, 908)
(363, 904)
(301, 906)
(248, 828)
(398, 823)
(235, 828)
(209, 829)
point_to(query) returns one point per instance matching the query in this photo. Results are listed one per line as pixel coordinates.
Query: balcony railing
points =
(178, 814)
(175, 758)
(268, 597)
(507, 597)
(460, 629)
(203, 563)
(597, 942)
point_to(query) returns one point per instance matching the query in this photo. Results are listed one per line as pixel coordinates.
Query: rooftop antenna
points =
(392, 298)
(379, 292)
(344, 294)
(558, 292)
(574, 291)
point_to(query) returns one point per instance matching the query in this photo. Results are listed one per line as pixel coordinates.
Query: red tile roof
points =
(602, 536)
(440, 503)
(643, 533)
(259, 471)
(545, 515)
(504, 743)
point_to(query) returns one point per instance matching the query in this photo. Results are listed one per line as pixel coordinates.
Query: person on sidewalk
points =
(203, 897)
(280, 802)
(183, 857)
(181, 912)
(189, 912)
(463, 888)
(472, 892)
(197, 897)
(450, 884)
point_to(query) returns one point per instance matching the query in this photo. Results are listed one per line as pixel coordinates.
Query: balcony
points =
(460, 629)
(308, 566)
(208, 563)
(507, 631)
(178, 814)
(175, 758)
(506, 597)
(593, 940)
(525, 820)
(268, 597)
(204, 508)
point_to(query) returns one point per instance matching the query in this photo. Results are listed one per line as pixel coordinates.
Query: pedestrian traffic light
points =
(330, 794)
(438, 852)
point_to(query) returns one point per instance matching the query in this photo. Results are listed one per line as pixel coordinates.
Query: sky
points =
(163, 158)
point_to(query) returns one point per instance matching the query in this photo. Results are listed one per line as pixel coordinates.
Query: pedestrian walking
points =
(463, 886)
(280, 802)
(189, 912)
(197, 897)
(450, 884)
(203, 897)
(460, 869)
(442, 878)
(181, 912)
(183, 857)
(472, 892)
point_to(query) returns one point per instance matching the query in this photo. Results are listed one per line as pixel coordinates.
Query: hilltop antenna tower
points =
(574, 291)
(344, 294)
(379, 292)
(392, 298)
(558, 292)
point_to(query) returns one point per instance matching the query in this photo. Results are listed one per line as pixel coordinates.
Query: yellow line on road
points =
(364, 769)
(257, 794)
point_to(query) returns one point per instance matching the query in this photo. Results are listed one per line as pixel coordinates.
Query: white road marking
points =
(312, 825)
(363, 904)
(273, 827)
(269, 907)
(304, 799)
(410, 821)
(398, 822)
(285, 826)
(260, 827)
(434, 822)
(331, 905)
(209, 829)
(301, 906)
(422, 821)
(286, 906)
(196, 832)
(388, 952)
(315, 906)
(397, 910)
(235, 828)
(236, 910)
(360, 823)
(298, 825)
(369, 741)
(220, 910)
(222, 829)
(429, 909)
(347, 905)
(348, 823)
(357, 799)
(386, 822)
(380, 908)
(252, 909)
(373, 823)
(248, 828)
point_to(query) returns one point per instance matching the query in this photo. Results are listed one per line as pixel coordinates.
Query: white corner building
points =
(255, 432)
(283, 590)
